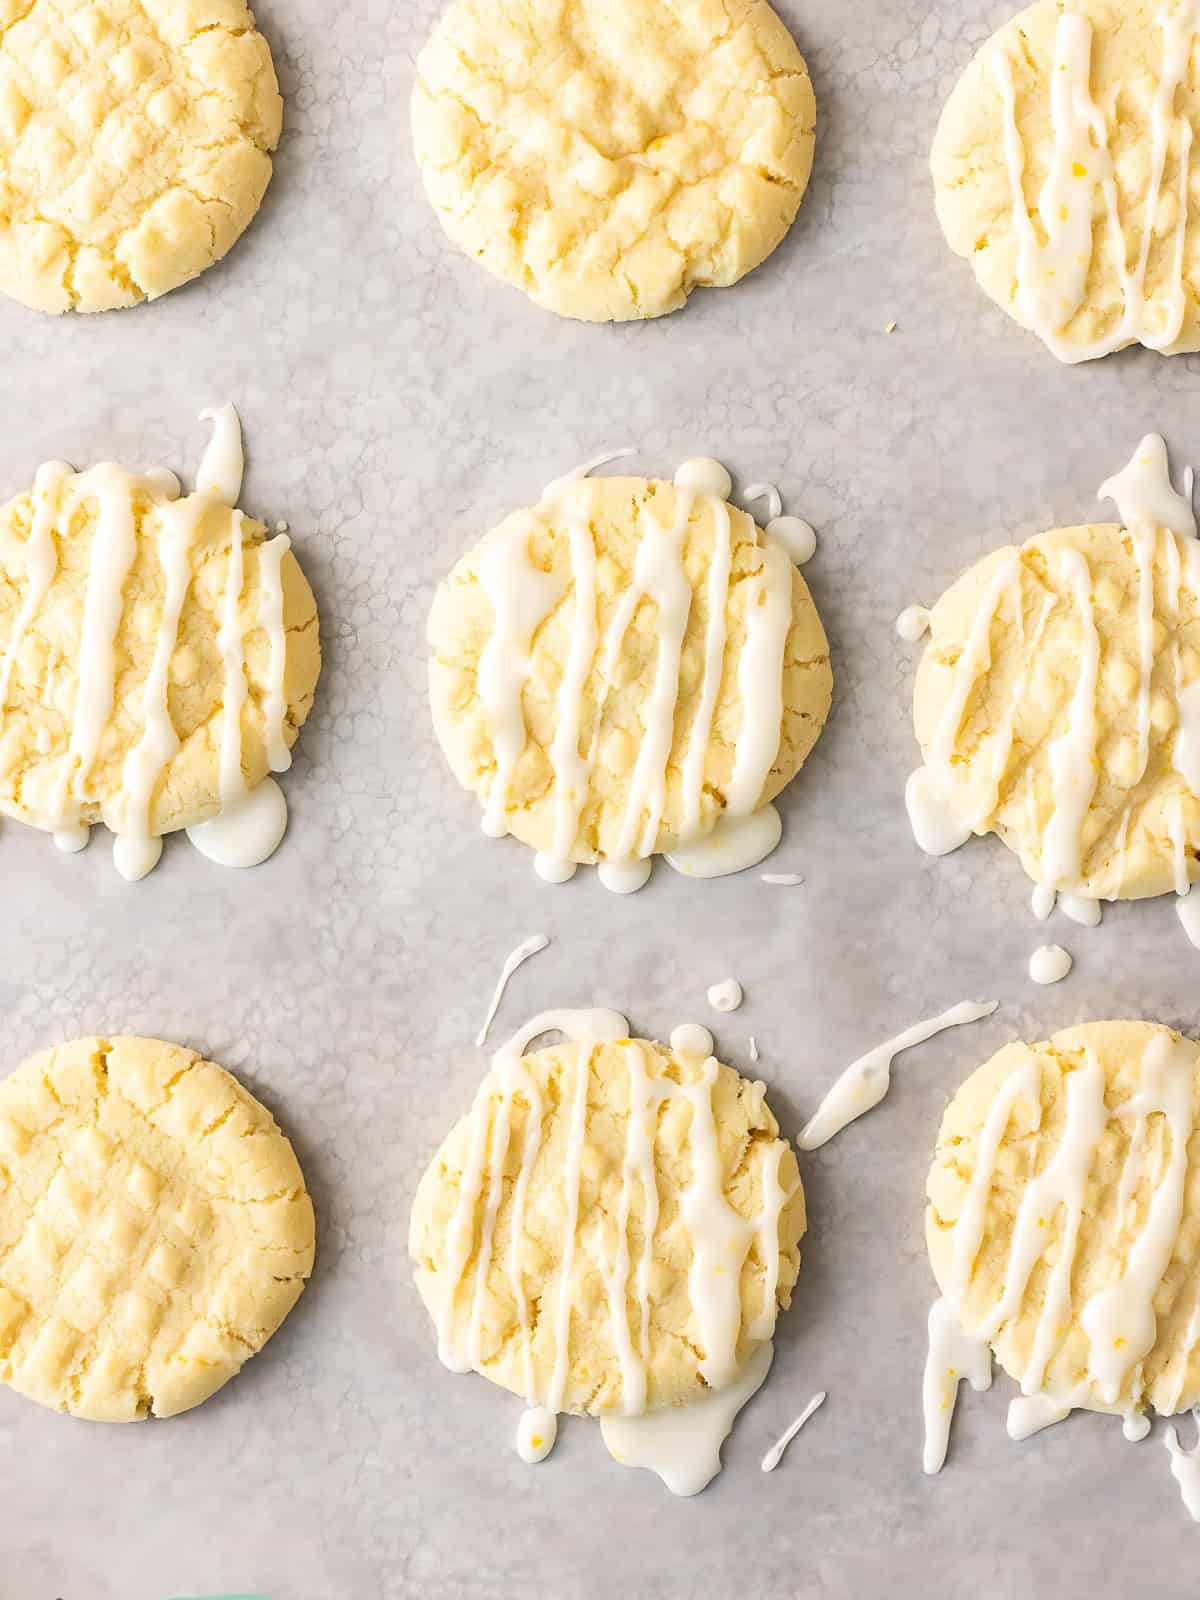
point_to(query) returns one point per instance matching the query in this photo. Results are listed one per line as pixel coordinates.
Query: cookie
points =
(1063, 1222)
(607, 158)
(1056, 706)
(135, 145)
(1062, 172)
(624, 664)
(158, 655)
(611, 1228)
(154, 1228)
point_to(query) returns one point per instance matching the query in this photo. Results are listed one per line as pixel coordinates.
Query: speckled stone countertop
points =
(396, 402)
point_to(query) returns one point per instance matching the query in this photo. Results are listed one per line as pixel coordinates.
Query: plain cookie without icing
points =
(1091, 1132)
(154, 1228)
(570, 735)
(135, 145)
(1007, 673)
(1062, 167)
(608, 158)
(759, 1224)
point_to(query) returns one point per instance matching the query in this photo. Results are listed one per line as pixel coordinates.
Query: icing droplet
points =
(691, 1039)
(1080, 908)
(703, 475)
(134, 858)
(725, 996)
(536, 1433)
(775, 1454)
(797, 537)
(753, 1048)
(1044, 898)
(248, 832)
(72, 839)
(550, 870)
(1049, 963)
(222, 464)
(735, 844)
(767, 492)
(624, 877)
(953, 1355)
(912, 623)
(785, 880)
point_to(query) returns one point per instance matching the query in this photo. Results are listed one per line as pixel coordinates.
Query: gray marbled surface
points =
(397, 401)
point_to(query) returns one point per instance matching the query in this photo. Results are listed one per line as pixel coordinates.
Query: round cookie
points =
(135, 145)
(569, 1157)
(616, 668)
(1064, 1215)
(1061, 170)
(1056, 706)
(128, 620)
(608, 158)
(154, 1228)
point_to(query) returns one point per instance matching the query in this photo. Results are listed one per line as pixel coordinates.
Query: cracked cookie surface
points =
(56, 548)
(590, 803)
(135, 145)
(608, 158)
(749, 1163)
(1087, 1218)
(155, 1229)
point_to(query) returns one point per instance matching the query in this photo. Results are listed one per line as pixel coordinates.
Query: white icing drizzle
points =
(1030, 1413)
(537, 1432)
(953, 1355)
(245, 832)
(557, 486)
(522, 597)
(1143, 492)
(775, 1454)
(1119, 1319)
(1185, 1468)
(270, 616)
(1043, 901)
(733, 845)
(912, 623)
(70, 840)
(527, 947)
(1052, 276)
(682, 1444)
(232, 645)
(1072, 756)
(720, 1238)
(865, 1082)
(753, 1048)
(1049, 963)
(1081, 908)
(783, 880)
(222, 464)
(692, 1039)
(726, 995)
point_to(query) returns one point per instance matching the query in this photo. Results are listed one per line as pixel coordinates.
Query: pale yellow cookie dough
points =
(747, 1135)
(973, 185)
(154, 1228)
(608, 156)
(1170, 1373)
(1133, 823)
(38, 714)
(618, 512)
(135, 145)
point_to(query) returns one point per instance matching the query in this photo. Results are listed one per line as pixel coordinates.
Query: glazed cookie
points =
(612, 1227)
(135, 145)
(1058, 700)
(1064, 1220)
(608, 158)
(158, 655)
(1062, 172)
(624, 664)
(154, 1228)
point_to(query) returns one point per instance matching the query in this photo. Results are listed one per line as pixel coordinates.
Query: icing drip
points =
(785, 880)
(1081, 908)
(714, 654)
(527, 947)
(726, 995)
(1072, 756)
(245, 832)
(760, 679)
(734, 844)
(1029, 1414)
(865, 1081)
(1144, 494)
(557, 486)
(221, 465)
(1049, 963)
(1052, 276)
(720, 1238)
(797, 537)
(682, 1444)
(775, 1454)
(270, 615)
(765, 491)
(1185, 1469)
(953, 1356)
(571, 770)
(537, 1432)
